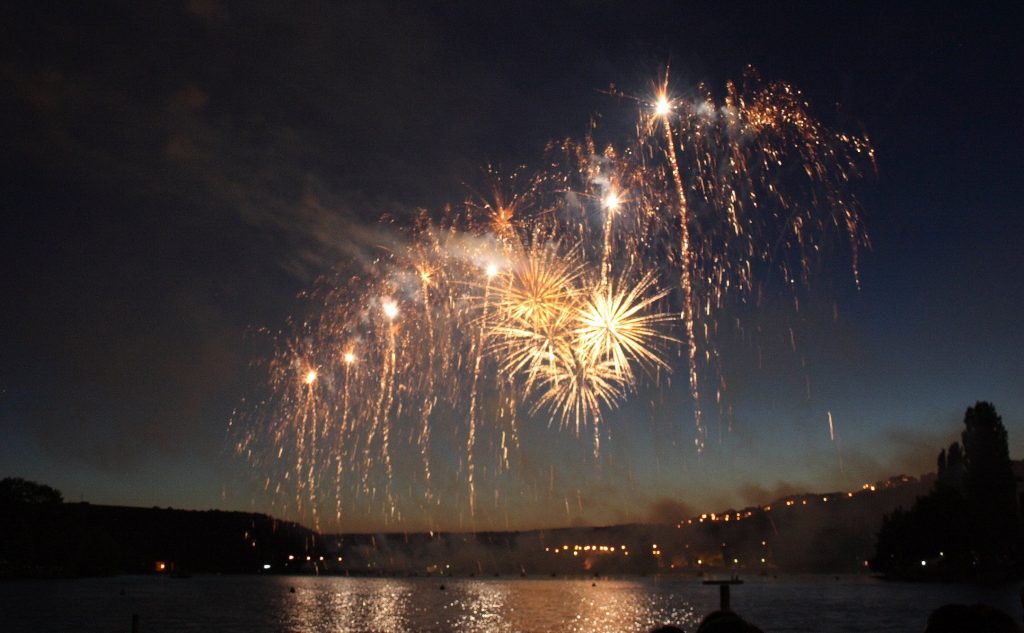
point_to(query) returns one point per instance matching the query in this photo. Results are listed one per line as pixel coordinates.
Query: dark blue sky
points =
(175, 175)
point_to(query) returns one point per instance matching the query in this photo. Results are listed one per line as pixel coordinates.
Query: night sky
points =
(175, 174)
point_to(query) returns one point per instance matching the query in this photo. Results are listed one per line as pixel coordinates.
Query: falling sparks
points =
(554, 299)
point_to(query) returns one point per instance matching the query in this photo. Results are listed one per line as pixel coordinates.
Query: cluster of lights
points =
(310, 558)
(789, 503)
(588, 549)
(714, 518)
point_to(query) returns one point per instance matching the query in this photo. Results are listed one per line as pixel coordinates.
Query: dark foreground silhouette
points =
(725, 622)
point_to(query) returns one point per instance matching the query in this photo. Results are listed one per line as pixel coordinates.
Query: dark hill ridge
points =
(825, 532)
(810, 532)
(73, 539)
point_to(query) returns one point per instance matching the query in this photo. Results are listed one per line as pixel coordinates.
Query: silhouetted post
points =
(723, 591)
(135, 623)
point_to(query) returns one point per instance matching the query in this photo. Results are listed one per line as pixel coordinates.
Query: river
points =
(268, 604)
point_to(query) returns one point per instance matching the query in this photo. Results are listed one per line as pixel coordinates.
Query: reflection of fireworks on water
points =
(554, 298)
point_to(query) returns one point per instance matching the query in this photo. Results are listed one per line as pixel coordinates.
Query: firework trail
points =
(663, 109)
(491, 271)
(605, 273)
(348, 358)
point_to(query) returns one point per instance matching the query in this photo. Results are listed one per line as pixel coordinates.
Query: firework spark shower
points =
(212, 208)
(551, 299)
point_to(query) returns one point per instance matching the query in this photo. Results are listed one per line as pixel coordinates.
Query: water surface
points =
(266, 604)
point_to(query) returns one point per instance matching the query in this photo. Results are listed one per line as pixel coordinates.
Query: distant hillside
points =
(75, 539)
(824, 532)
(833, 531)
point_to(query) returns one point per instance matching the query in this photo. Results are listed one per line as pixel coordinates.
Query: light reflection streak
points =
(358, 605)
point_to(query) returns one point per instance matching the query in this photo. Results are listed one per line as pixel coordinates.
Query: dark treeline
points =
(42, 536)
(968, 527)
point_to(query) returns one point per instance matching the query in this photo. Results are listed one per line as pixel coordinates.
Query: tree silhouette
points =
(969, 524)
(18, 491)
(30, 525)
(951, 467)
(989, 483)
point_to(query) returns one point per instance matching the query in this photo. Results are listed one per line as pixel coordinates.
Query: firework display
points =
(551, 300)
